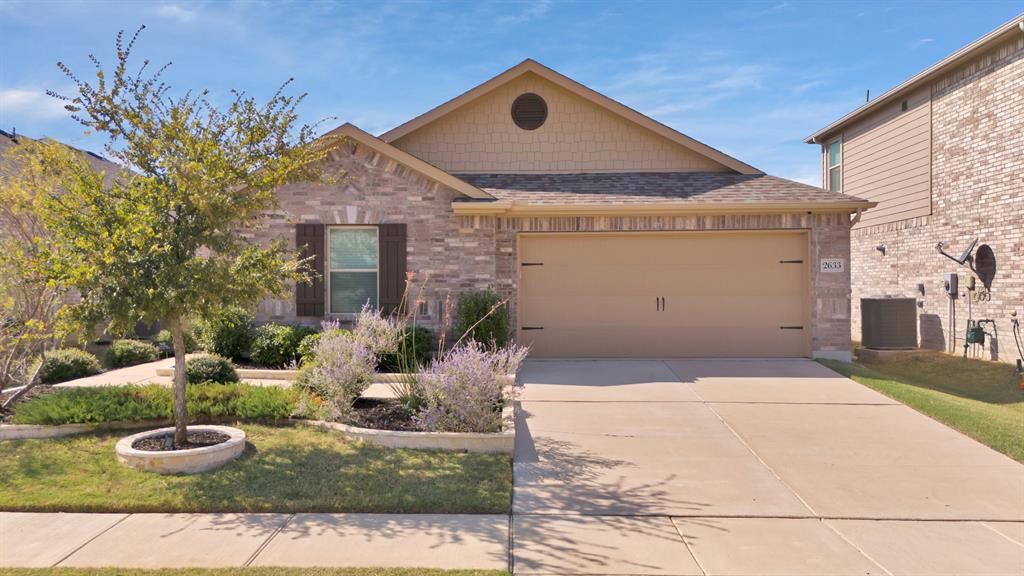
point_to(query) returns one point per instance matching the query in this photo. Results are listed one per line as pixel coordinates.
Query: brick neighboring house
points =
(943, 156)
(610, 233)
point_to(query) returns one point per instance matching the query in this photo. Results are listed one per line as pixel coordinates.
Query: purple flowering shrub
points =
(344, 362)
(461, 391)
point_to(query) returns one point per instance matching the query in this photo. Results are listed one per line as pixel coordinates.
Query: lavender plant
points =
(342, 370)
(462, 391)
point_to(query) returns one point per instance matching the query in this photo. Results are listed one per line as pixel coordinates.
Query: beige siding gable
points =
(578, 135)
(887, 159)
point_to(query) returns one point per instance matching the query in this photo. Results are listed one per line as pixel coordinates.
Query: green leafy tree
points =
(28, 300)
(167, 240)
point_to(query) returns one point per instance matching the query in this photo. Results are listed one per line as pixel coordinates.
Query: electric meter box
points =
(952, 284)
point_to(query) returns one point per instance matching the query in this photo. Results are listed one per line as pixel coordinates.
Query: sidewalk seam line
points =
(265, 543)
(90, 540)
(856, 547)
(749, 448)
(700, 566)
(985, 524)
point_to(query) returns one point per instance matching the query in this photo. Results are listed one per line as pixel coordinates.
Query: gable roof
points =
(652, 191)
(532, 66)
(1014, 27)
(360, 136)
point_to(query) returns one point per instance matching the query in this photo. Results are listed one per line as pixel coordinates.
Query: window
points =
(835, 166)
(352, 269)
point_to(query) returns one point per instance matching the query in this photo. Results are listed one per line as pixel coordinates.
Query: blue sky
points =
(752, 79)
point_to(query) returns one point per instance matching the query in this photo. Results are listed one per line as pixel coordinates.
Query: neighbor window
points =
(835, 166)
(352, 269)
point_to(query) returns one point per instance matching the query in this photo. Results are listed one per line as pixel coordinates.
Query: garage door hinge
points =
(791, 261)
(532, 264)
(791, 327)
(532, 328)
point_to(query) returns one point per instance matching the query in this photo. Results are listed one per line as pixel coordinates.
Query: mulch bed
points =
(165, 442)
(381, 414)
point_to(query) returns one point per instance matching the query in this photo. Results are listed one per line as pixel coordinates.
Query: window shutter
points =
(392, 250)
(310, 297)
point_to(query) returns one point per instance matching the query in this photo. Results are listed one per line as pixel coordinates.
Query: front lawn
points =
(981, 399)
(245, 572)
(284, 469)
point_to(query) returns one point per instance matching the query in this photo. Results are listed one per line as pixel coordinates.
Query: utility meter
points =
(952, 285)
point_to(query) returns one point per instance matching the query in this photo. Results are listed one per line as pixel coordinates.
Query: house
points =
(609, 233)
(943, 156)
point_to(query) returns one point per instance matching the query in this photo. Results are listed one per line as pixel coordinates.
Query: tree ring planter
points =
(190, 461)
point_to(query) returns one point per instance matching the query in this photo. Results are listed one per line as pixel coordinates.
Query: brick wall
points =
(375, 190)
(460, 253)
(977, 159)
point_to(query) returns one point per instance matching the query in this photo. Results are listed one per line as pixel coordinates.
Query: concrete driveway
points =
(749, 467)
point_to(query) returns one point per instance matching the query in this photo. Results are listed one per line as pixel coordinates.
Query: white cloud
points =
(921, 42)
(25, 104)
(176, 12)
(535, 10)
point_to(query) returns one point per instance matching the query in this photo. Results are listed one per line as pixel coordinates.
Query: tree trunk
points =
(180, 403)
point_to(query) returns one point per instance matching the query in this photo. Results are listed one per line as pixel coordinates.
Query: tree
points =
(28, 300)
(167, 239)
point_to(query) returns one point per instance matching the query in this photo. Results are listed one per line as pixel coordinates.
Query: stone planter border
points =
(291, 375)
(495, 443)
(35, 431)
(191, 461)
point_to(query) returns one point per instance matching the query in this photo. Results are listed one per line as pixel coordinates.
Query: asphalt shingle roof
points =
(649, 188)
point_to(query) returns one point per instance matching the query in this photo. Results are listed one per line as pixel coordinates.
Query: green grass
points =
(981, 399)
(284, 469)
(245, 572)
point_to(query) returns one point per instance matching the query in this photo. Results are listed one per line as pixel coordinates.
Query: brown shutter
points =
(391, 247)
(309, 297)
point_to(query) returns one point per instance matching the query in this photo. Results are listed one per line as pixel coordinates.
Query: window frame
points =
(329, 270)
(838, 165)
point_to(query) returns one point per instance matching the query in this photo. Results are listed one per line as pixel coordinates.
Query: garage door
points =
(707, 294)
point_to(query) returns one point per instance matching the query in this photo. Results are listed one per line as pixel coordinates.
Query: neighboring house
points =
(943, 156)
(609, 233)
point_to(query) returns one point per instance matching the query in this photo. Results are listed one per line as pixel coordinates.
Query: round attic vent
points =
(529, 111)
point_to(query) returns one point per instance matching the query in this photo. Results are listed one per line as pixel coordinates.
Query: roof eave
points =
(969, 51)
(513, 208)
(425, 169)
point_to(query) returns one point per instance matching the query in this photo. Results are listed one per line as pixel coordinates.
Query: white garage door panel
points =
(725, 294)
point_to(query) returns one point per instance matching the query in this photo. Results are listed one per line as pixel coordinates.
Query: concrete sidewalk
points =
(222, 540)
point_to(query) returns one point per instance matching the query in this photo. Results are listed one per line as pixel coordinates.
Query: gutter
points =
(511, 208)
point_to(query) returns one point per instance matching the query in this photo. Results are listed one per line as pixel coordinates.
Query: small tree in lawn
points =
(28, 300)
(167, 240)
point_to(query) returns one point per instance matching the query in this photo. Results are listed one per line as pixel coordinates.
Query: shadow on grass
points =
(284, 469)
(983, 381)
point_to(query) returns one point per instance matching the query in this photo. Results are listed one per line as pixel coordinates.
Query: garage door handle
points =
(659, 303)
(791, 327)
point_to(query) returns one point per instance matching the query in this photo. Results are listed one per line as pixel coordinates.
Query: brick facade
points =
(374, 190)
(977, 191)
(458, 253)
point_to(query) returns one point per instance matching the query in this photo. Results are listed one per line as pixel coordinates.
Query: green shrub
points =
(227, 333)
(277, 345)
(308, 346)
(163, 339)
(130, 352)
(68, 364)
(416, 347)
(209, 368)
(155, 402)
(492, 331)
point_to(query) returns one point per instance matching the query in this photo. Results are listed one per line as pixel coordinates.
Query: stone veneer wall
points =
(829, 235)
(375, 190)
(977, 159)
